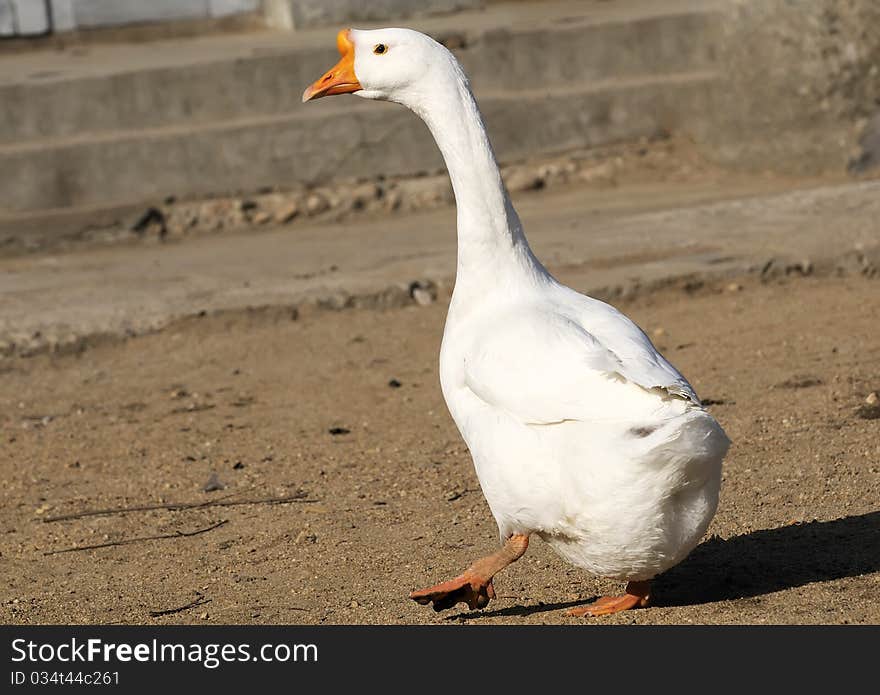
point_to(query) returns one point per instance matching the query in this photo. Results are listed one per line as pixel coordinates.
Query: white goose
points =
(580, 431)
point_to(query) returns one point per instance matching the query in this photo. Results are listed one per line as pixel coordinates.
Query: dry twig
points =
(178, 506)
(195, 603)
(128, 541)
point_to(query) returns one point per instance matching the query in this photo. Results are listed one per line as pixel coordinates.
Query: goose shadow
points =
(517, 611)
(753, 564)
(769, 560)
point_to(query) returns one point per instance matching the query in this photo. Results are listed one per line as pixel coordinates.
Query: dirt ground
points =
(344, 409)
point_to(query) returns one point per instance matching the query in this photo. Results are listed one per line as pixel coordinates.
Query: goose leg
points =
(474, 585)
(638, 595)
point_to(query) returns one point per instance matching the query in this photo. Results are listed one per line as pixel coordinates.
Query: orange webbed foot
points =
(638, 595)
(468, 588)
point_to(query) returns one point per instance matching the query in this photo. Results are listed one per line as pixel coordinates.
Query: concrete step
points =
(286, 150)
(313, 13)
(109, 88)
(127, 124)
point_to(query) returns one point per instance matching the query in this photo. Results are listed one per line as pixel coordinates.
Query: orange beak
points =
(340, 79)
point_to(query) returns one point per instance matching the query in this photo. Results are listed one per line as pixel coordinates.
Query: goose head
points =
(398, 65)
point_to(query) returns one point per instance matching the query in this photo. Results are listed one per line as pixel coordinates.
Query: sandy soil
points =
(345, 409)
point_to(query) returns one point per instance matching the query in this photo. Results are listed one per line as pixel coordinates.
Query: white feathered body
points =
(580, 431)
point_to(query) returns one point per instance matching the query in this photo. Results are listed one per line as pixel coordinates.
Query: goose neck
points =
(489, 230)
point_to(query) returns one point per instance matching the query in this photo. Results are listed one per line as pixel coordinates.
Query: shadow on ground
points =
(769, 560)
(754, 564)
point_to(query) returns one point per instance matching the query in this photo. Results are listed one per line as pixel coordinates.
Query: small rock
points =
(422, 296)
(237, 466)
(203, 616)
(549, 171)
(603, 172)
(364, 193)
(316, 204)
(305, 536)
(420, 193)
(219, 214)
(522, 179)
(213, 484)
(872, 398)
(659, 332)
(336, 431)
(262, 217)
(424, 292)
(804, 267)
(734, 287)
(392, 200)
(286, 212)
(354, 604)
(182, 218)
(394, 383)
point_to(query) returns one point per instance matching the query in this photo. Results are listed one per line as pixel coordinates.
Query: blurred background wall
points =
(109, 104)
(39, 17)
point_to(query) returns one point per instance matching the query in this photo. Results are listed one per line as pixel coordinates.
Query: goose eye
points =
(380, 48)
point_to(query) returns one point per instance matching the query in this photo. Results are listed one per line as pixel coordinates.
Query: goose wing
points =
(545, 367)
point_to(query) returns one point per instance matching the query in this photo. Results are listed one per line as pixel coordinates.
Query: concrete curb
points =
(62, 304)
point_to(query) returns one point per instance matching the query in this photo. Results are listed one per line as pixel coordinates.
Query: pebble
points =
(316, 204)
(392, 200)
(287, 212)
(872, 398)
(423, 297)
(364, 193)
(522, 179)
(547, 171)
(598, 172)
(423, 292)
(213, 484)
(305, 536)
(427, 187)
